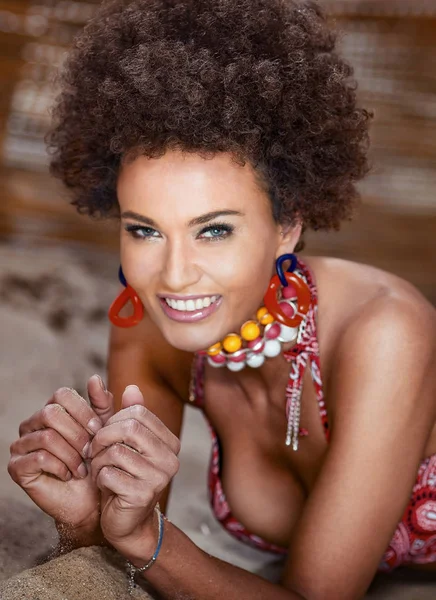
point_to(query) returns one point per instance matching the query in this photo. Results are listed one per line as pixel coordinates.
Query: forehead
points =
(188, 183)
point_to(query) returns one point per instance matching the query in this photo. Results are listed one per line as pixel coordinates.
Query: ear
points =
(289, 235)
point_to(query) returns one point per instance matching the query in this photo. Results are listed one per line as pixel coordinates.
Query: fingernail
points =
(69, 475)
(132, 387)
(100, 382)
(82, 470)
(94, 425)
(85, 450)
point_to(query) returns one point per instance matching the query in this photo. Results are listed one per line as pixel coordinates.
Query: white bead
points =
(215, 364)
(287, 334)
(272, 348)
(255, 360)
(236, 366)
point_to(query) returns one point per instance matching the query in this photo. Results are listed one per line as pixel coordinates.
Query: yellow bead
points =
(267, 319)
(215, 349)
(232, 343)
(261, 312)
(264, 317)
(250, 331)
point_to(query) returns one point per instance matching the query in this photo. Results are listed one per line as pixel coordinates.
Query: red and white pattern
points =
(414, 540)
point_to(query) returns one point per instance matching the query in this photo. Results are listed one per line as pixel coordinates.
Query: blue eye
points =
(218, 231)
(140, 232)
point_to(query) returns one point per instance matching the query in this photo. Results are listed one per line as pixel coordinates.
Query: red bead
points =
(256, 345)
(238, 356)
(272, 331)
(287, 309)
(219, 359)
(289, 292)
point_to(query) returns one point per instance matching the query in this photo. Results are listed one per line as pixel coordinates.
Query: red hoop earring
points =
(295, 287)
(120, 302)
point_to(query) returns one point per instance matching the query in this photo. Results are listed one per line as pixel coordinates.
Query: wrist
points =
(133, 565)
(140, 548)
(78, 536)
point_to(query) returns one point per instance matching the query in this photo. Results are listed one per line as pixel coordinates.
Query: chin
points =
(186, 345)
(189, 340)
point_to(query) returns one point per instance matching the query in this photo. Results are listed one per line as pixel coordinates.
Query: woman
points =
(217, 131)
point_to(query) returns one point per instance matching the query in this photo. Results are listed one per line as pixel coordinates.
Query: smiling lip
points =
(188, 316)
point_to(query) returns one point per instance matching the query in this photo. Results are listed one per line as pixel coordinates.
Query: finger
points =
(146, 417)
(25, 470)
(133, 433)
(132, 395)
(54, 416)
(102, 401)
(51, 441)
(132, 491)
(73, 404)
(136, 465)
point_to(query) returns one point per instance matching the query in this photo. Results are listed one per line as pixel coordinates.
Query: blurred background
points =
(58, 270)
(392, 45)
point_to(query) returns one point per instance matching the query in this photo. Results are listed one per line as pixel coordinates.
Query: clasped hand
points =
(133, 459)
(95, 472)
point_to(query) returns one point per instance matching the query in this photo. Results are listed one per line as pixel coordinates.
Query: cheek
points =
(138, 266)
(243, 272)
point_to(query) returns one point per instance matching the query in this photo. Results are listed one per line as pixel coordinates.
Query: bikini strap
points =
(305, 353)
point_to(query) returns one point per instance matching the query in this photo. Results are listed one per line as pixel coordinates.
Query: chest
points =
(257, 470)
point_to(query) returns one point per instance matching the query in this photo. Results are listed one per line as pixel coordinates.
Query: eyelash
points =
(225, 227)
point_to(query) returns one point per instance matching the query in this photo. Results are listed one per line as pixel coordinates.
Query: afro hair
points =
(260, 79)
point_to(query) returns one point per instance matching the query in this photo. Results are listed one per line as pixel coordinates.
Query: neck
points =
(263, 388)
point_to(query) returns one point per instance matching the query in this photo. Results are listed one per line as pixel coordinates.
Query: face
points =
(198, 244)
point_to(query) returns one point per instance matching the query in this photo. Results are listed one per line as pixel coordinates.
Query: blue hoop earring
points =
(279, 267)
(121, 276)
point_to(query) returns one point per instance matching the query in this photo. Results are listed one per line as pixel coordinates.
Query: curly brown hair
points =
(259, 79)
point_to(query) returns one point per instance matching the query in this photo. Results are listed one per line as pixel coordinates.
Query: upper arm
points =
(384, 384)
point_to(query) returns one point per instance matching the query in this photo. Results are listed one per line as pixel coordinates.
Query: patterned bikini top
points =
(305, 352)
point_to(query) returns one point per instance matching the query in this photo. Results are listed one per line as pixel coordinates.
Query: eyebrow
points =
(196, 221)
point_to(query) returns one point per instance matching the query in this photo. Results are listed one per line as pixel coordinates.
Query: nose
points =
(180, 272)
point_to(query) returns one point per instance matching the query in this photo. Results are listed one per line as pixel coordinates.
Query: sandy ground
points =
(54, 332)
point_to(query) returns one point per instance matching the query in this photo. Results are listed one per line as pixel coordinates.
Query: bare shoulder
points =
(146, 345)
(358, 300)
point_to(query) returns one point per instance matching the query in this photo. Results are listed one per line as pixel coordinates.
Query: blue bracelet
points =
(132, 569)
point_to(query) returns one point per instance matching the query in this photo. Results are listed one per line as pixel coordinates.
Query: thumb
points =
(102, 401)
(132, 395)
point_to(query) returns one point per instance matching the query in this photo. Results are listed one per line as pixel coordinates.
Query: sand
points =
(83, 574)
(53, 306)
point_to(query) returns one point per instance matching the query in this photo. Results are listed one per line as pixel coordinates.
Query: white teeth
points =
(191, 305)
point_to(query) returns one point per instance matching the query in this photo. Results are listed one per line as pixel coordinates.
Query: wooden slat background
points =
(392, 45)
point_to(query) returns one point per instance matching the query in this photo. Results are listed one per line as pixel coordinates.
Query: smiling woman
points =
(216, 131)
